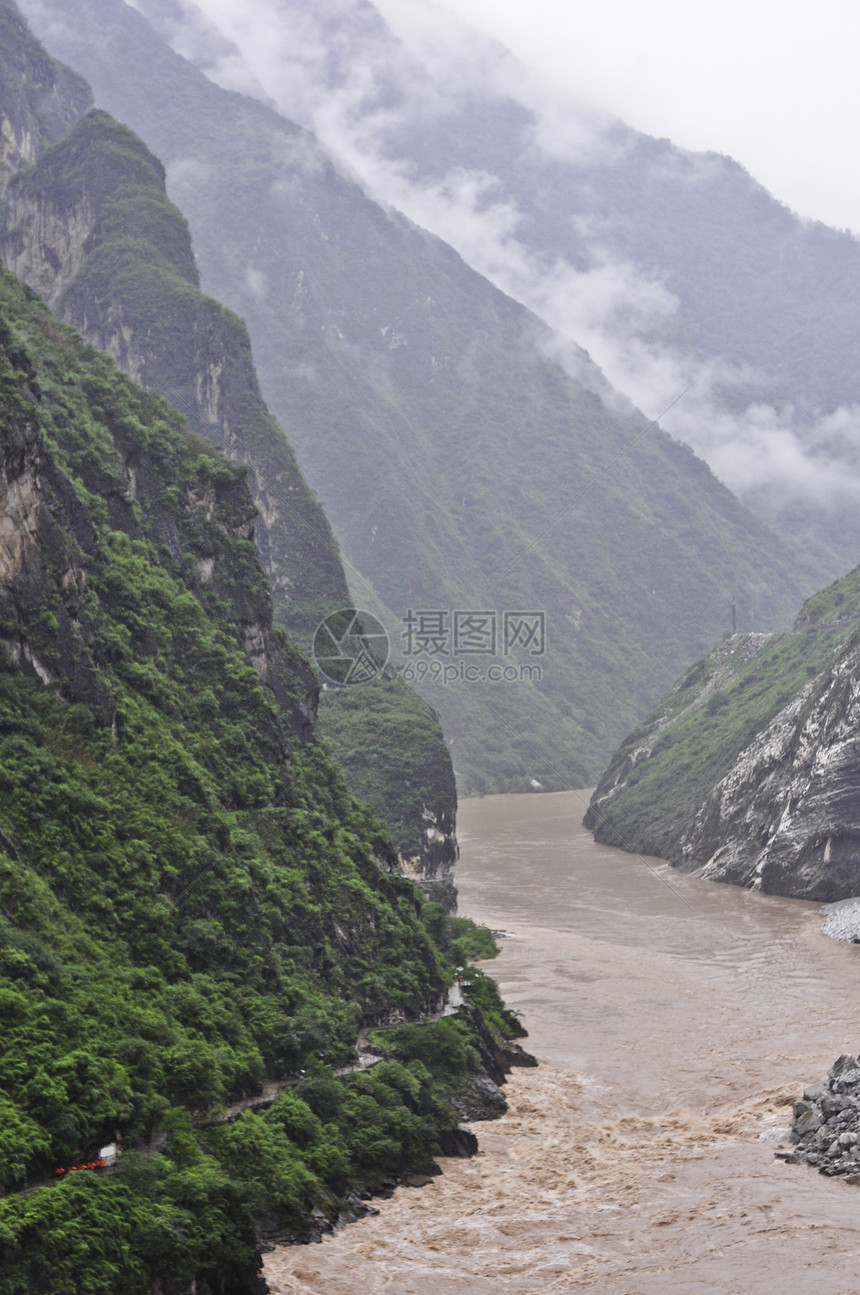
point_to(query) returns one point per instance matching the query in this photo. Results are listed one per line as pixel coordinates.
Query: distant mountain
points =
(747, 771)
(463, 468)
(671, 267)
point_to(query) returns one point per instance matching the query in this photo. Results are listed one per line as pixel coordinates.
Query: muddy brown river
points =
(675, 1021)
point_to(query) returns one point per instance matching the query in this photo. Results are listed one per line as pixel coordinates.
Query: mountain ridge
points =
(192, 903)
(89, 226)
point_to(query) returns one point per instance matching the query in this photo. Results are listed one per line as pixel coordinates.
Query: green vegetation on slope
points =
(192, 901)
(662, 773)
(135, 293)
(374, 726)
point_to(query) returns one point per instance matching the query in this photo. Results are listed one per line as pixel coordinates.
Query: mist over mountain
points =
(229, 1015)
(463, 467)
(671, 268)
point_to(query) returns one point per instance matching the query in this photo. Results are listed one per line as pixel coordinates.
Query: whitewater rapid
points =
(675, 1020)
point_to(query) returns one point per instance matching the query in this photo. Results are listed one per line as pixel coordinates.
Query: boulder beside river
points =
(826, 1126)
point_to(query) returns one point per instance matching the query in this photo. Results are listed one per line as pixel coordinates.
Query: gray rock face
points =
(807, 1118)
(460, 1142)
(842, 1066)
(842, 920)
(786, 818)
(826, 1127)
(749, 770)
(814, 1092)
(481, 1100)
(40, 99)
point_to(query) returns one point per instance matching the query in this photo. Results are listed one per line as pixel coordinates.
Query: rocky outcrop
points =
(460, 1143)
(702, 684)
(40, 100)
(749, 771)
(47, 539)
(481, 1099)
(43, 624)
(432, 864)
(90, 228)
(786, 819)
(46, 246)
(826, 1124)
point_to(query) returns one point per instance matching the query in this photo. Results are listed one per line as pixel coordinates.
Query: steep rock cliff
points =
(749, 771)
(392, 752)
(41, 99)
(786, 818)
(89, 226)
(47, 539)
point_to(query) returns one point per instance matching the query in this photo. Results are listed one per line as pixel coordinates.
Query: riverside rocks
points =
(842, 920)
(481, 1098)
(460, 1142)
(826, 1126)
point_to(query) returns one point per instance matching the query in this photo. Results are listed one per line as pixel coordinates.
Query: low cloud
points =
(338, 69)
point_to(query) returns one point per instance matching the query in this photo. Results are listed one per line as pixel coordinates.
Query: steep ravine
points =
(427, 411)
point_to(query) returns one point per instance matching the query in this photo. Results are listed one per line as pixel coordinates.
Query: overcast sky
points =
(775, 85)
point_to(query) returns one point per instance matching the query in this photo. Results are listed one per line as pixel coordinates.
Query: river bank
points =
(676, 1022)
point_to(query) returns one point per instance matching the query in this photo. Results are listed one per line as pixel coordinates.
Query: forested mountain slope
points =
(461, 467)
(192, 904)
(747, 771)
(89, 226)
